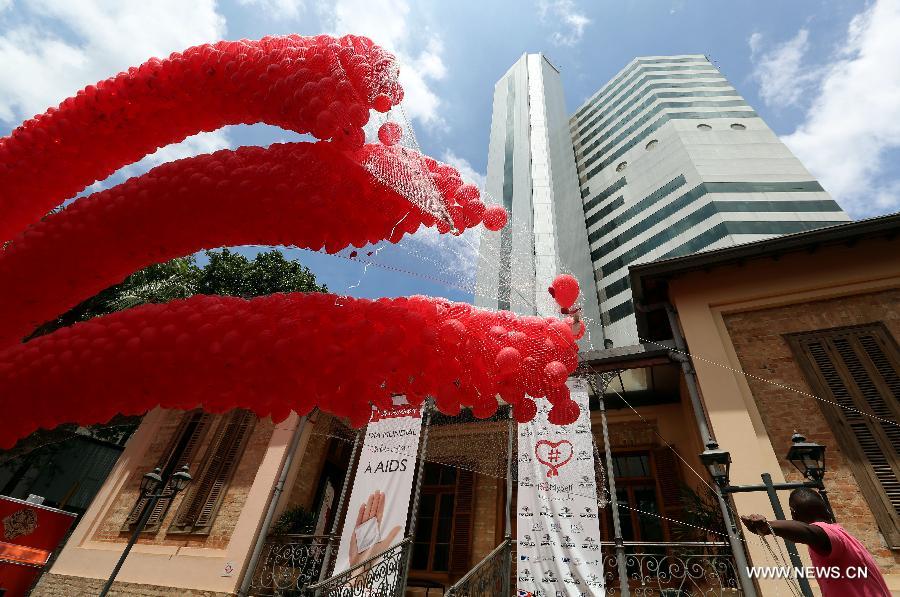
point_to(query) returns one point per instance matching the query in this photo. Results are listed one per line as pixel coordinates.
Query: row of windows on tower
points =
(652, 143)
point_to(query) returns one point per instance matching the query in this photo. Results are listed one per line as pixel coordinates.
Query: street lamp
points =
(807, 457)
(152, 489)
(718, 462)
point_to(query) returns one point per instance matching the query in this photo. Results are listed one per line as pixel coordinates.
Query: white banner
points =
(558, 526)
(379, 502)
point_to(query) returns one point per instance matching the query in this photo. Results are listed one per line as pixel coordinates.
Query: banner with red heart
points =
(553, 455)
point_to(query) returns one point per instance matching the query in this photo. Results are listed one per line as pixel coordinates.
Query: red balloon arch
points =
(272, 354)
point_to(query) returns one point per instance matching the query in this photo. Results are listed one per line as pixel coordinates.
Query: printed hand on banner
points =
(371, 508)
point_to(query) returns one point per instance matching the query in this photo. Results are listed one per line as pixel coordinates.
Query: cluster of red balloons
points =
(321, 85)
(286, 352)
(273, 354)
(309, 195)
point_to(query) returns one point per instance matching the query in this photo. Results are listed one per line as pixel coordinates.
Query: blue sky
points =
(822, 74)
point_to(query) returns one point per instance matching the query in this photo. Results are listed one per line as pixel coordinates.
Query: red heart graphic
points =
(554, 458)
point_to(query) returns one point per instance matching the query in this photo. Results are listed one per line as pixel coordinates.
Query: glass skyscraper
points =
(668, 160)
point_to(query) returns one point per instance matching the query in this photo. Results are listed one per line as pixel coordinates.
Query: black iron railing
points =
(292, 564)
(289, 564)
(490, 577)
(673, 569)
(383, 575)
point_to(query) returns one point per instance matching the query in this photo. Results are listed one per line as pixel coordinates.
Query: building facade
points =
(812, 349)
(669, 160)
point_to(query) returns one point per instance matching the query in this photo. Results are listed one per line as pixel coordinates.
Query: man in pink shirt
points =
(838, 556)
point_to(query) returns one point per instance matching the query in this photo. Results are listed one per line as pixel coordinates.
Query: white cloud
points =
(565, 16)
(419, 51)
(68, 45)
(779, 69)
(853, 122)
(277, 9)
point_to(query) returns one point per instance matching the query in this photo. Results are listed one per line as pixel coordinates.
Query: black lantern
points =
(181, 479)
(718, 462)
(807, 457)
(152, 489)
(151, 481)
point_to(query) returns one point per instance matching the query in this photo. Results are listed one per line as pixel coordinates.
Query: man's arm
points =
(792, 530)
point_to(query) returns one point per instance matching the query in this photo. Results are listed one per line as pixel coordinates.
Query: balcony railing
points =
(673, 569)
(289, 564)
(383, 575)
(490, 577)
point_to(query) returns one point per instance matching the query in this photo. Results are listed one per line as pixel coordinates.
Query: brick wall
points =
(757, 339)
(303, 491)
(110, 529)
(59, 585)
(487, 523)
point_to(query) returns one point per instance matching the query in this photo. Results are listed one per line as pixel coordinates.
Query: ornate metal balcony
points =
(383, 575)
(490, 577)
(289, 564)
(672, 569)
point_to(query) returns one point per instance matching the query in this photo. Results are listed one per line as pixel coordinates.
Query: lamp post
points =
(152, 489)
(807, 457)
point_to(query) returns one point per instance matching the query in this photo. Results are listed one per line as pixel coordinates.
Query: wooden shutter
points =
(182, 450)
(858, 370)
(463, 521)
(669, 481)
(205, 494)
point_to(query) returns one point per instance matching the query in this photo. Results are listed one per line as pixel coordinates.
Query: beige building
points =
(812, 320)
(805, 316)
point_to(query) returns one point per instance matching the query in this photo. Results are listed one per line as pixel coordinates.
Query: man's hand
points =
(756, 523)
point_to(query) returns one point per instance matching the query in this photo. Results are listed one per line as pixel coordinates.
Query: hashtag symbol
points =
(554, 454)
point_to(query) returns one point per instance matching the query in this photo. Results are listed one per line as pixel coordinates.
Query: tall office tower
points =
(671, 161)
(531, 168)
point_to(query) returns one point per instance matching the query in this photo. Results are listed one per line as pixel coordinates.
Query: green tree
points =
(225, 273)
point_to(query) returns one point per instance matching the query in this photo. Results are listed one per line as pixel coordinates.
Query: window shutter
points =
(202, 502)
(858, 369)
(669, 481)
(463, 520)
(181, 450)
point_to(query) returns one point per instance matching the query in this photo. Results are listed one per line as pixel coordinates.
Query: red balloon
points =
(390, 133)
(565, 290)
(382, 103)
(484, 409)
(508, 360)
(563, 413)
(555, 373)
(524, 410)
(452, 332)
(495, 218)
